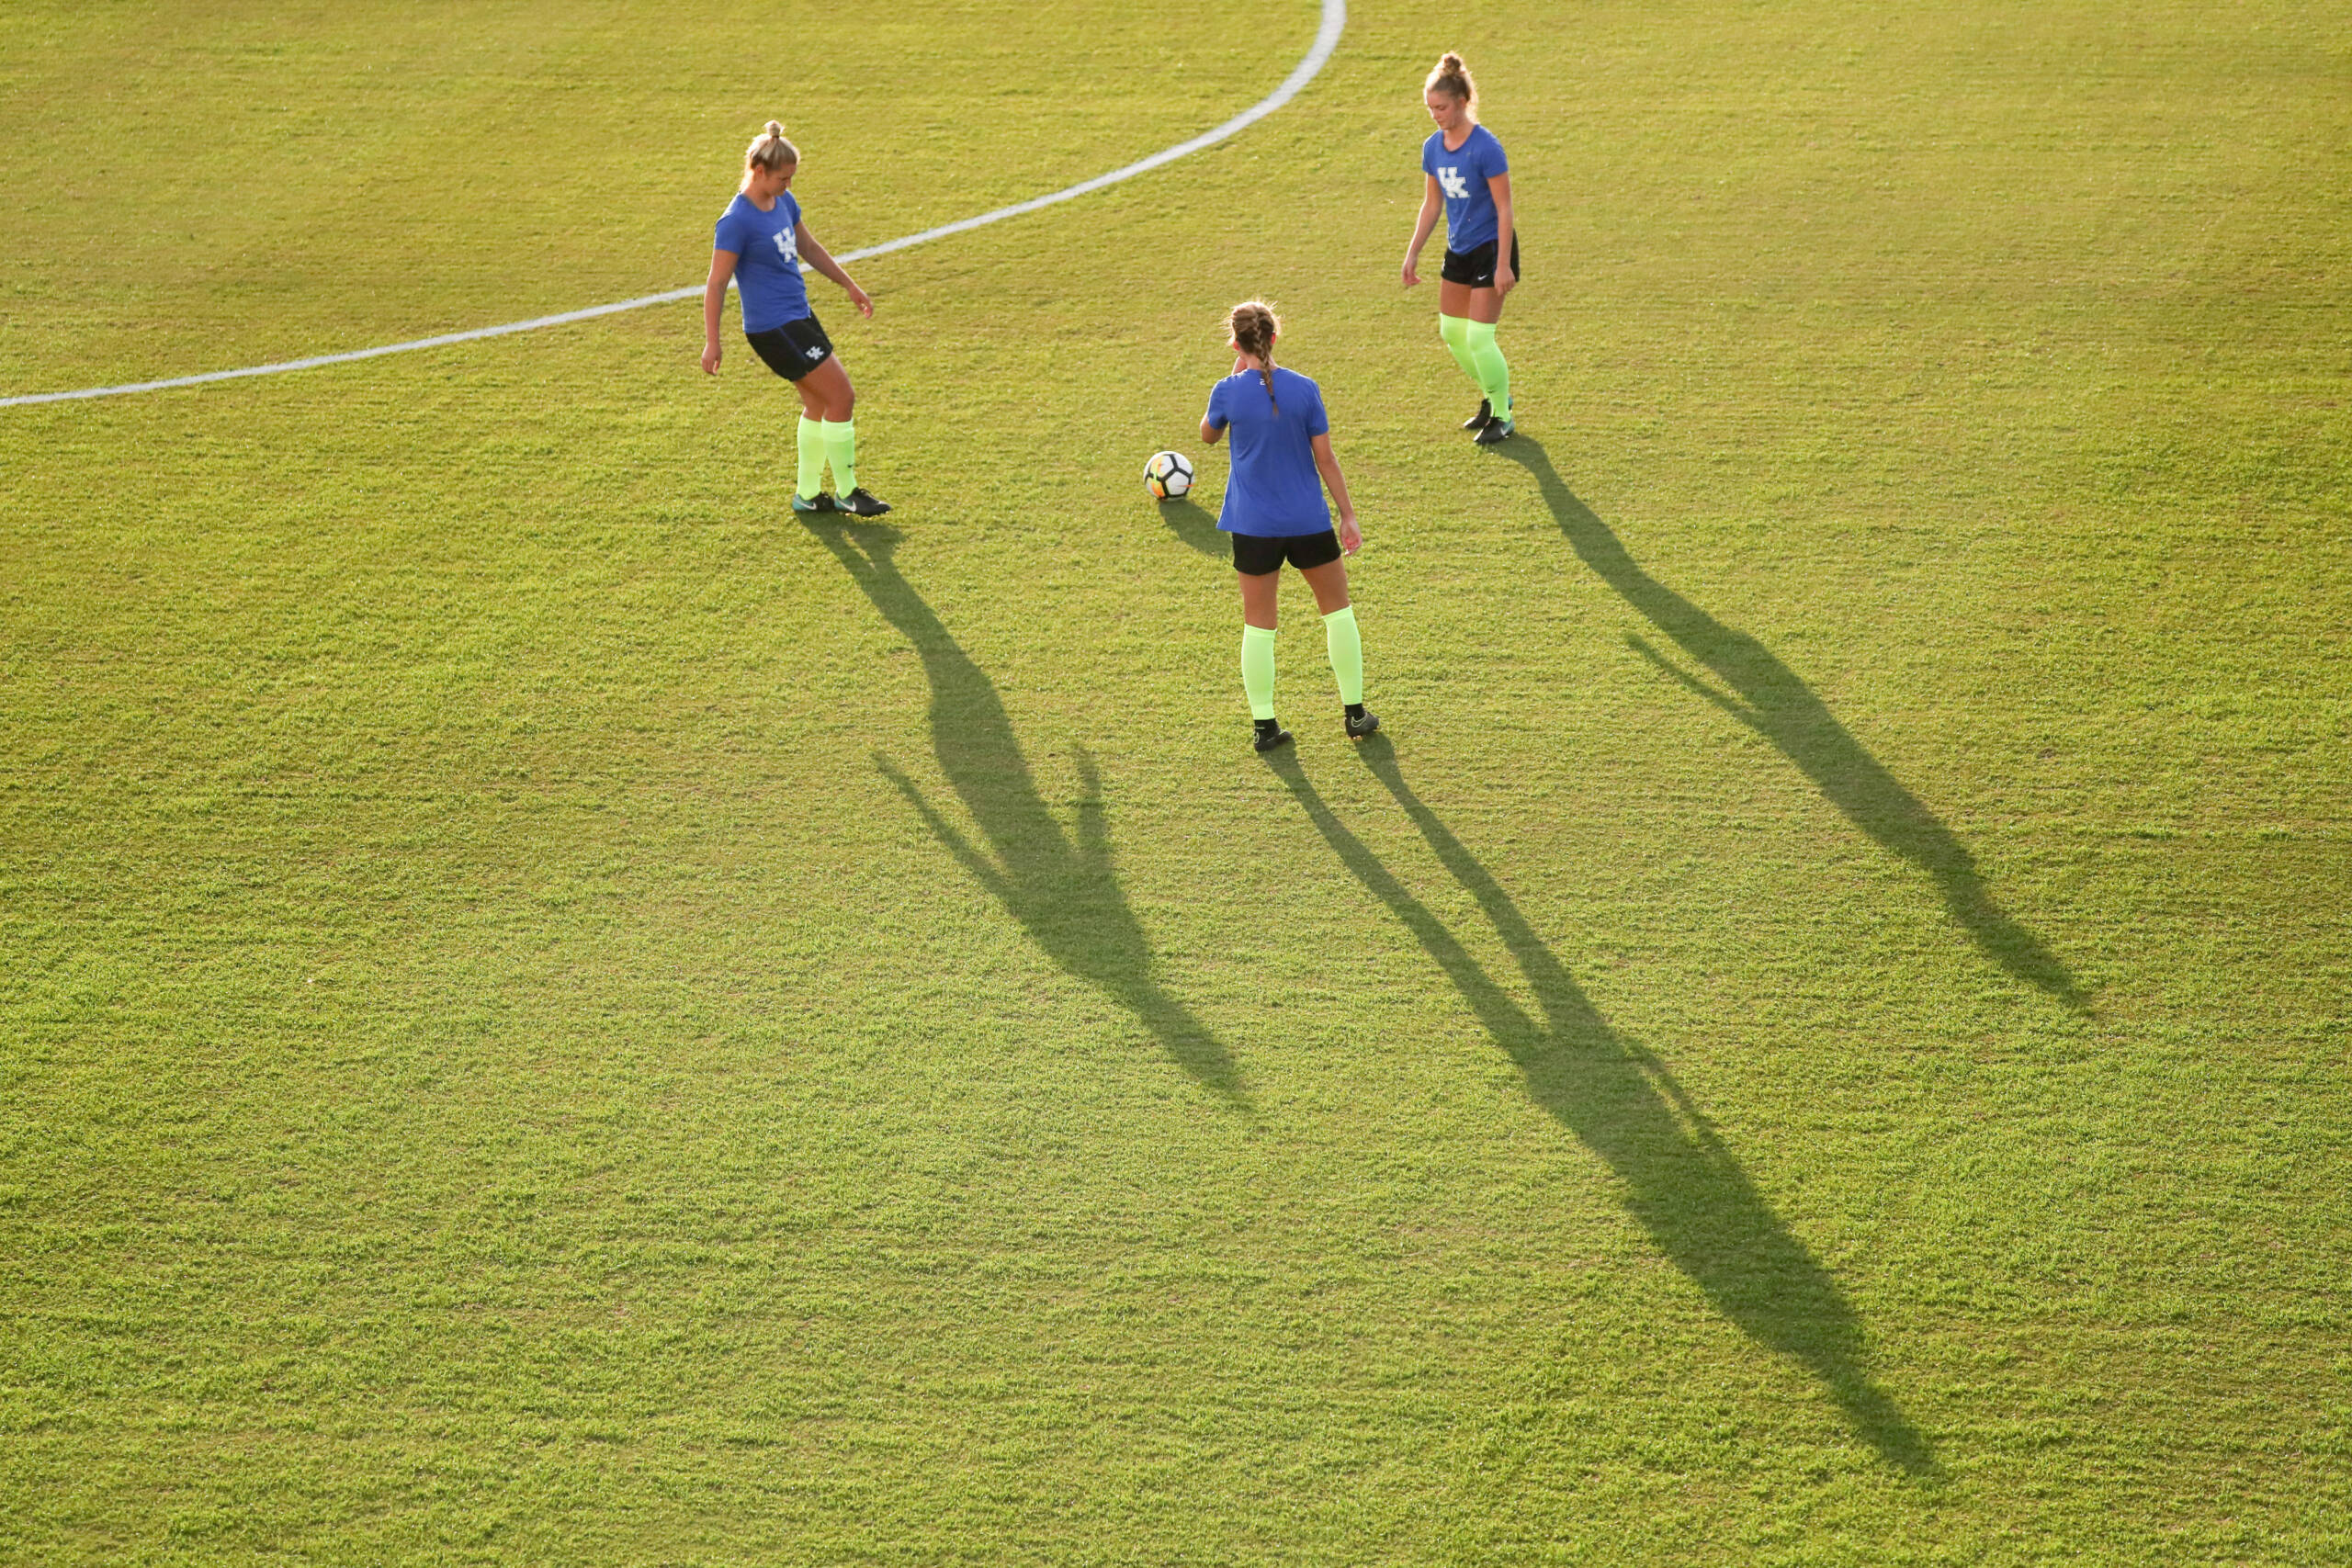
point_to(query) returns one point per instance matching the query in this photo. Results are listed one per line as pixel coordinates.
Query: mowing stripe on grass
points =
(1327, 38)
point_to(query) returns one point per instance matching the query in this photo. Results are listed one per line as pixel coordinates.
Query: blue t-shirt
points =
(1462, 174)
(1273, 490)
(767, 268)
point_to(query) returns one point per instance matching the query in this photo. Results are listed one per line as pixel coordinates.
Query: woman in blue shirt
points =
(1275, 512)
(759, 243)
(1463, 172)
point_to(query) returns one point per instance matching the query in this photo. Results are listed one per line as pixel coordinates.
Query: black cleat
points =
(1360, 727)
(1483, 418)
(860, 503)
(1496, 432)
(806, 504)
(1269, 735)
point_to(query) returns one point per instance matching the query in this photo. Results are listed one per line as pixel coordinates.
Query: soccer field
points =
(552, 1013)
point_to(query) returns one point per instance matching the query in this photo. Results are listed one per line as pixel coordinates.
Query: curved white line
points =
(1327, 38)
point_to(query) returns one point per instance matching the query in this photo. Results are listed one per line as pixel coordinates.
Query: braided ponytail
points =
(1254, 327)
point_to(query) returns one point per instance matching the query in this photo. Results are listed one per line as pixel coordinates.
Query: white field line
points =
(1327, 38)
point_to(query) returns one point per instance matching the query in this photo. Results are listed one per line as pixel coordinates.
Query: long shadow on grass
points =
(1196, 528)
(1065, 891)
(1767, 697)
(1683, 1184)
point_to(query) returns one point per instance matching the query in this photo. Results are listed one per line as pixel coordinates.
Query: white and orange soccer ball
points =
(1168, 475)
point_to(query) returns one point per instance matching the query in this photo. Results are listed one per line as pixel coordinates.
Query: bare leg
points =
(825, 392)
(1259, 593)
(1329, 582)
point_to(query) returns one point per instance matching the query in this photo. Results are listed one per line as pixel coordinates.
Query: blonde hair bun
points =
(1451, 77)
(769, 150)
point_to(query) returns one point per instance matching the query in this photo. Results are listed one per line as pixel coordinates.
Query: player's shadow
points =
(1767, 695)
(1195, 526)
(1680, 1182)
(1061, 886)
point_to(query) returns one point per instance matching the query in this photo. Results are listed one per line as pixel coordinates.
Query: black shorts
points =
(1255, 557)
(793, 349)
(1476, 266)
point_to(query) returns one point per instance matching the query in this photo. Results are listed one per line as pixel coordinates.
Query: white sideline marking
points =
(1327, 38)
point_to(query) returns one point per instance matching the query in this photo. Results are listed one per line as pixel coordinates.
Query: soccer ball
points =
(1168, 475)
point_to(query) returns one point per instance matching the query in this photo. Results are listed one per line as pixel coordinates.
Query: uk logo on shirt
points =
(784, 243)
(1451, 179)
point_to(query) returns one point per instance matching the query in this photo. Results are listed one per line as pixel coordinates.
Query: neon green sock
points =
(1492, 370)
(1455, 330)
(1257, 669)
(1345, 645)
(840, 451)
(812, 458)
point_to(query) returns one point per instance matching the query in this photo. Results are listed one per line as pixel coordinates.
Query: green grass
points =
(550, 1013)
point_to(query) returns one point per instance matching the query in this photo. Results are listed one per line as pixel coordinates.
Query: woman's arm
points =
(714, 301)
(822, 260)
(1327, 463)
(1432, 203)
(1504, 277)
(1210, 428)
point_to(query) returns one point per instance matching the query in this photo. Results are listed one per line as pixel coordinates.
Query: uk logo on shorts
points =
(814, 353)
(1455, 186)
